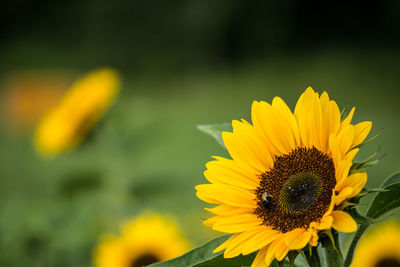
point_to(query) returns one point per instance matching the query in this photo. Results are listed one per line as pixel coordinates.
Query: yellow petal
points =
(238, 148)
(223, 245)
(235, 224)
(253, 144)
(225, 210)
(332, 204)
(285, 111)
(273, 127)
(210, 221)
(251, 240)
(263, 238)
(334, 117)
(344, 194)
(259, 261)
(281, 250)
(330, 120)
(342, 170)
(335, 150)
(309, 118)
(351, 154)
(343, 222)
(270, 256)
(226, 171)
(259, 119)
(345, 139)
(325, 223)
(314, 239)
(348, 119)
(297, 238)
(361, 131)
(355, 181)
(226, 194)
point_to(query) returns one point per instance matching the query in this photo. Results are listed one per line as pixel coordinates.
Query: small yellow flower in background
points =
(67, 124)
(288, 176)
(380, 247)
(147, 239)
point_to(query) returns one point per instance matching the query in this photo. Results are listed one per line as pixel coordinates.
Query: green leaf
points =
(388, 200)
(233, 262)
(392, 179)
(195, 256)
(360, 231)
(301, 261)
(215, 130)
(203, 256)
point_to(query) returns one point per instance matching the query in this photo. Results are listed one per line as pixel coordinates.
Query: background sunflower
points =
(144, 240)
(67, 123)
(380, 247)
(183, 63)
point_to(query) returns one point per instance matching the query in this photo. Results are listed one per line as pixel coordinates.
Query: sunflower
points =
(287, 178)
(145, 240)
(65, 125)
(379, 248)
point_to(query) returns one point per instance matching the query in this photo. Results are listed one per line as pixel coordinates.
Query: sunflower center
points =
(388, 262)
(297, 190)
(145, 259)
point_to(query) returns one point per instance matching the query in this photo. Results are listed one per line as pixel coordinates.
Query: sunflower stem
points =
(356, 238)
(333, 254)
(292, 256)
(312, 257)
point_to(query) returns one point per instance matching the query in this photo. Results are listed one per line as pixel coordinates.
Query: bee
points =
(266, 201)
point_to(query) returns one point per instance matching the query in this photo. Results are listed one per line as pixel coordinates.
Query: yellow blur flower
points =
(66, 125)
(380, 247)
(147, 239)
(288, 175)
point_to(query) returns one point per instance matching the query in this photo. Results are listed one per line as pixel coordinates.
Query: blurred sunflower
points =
(66, 125)
(379, 248)
(288, 175)
(145, 240)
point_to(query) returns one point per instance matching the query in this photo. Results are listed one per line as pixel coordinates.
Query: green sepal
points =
(346, 204)
(359, 218)
(357, 164)
(364, 192)
(370, 139)
(215, 130)
(312, 256)
(328, 233)
(361, 166)
(292, 257)
(333, 254)
(367, 165)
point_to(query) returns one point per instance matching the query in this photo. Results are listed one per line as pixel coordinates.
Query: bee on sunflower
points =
(288, 180)
(147, 239)
(65, 125)
(380, 247)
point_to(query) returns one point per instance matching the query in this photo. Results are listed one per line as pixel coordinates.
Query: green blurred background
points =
(183, 63)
